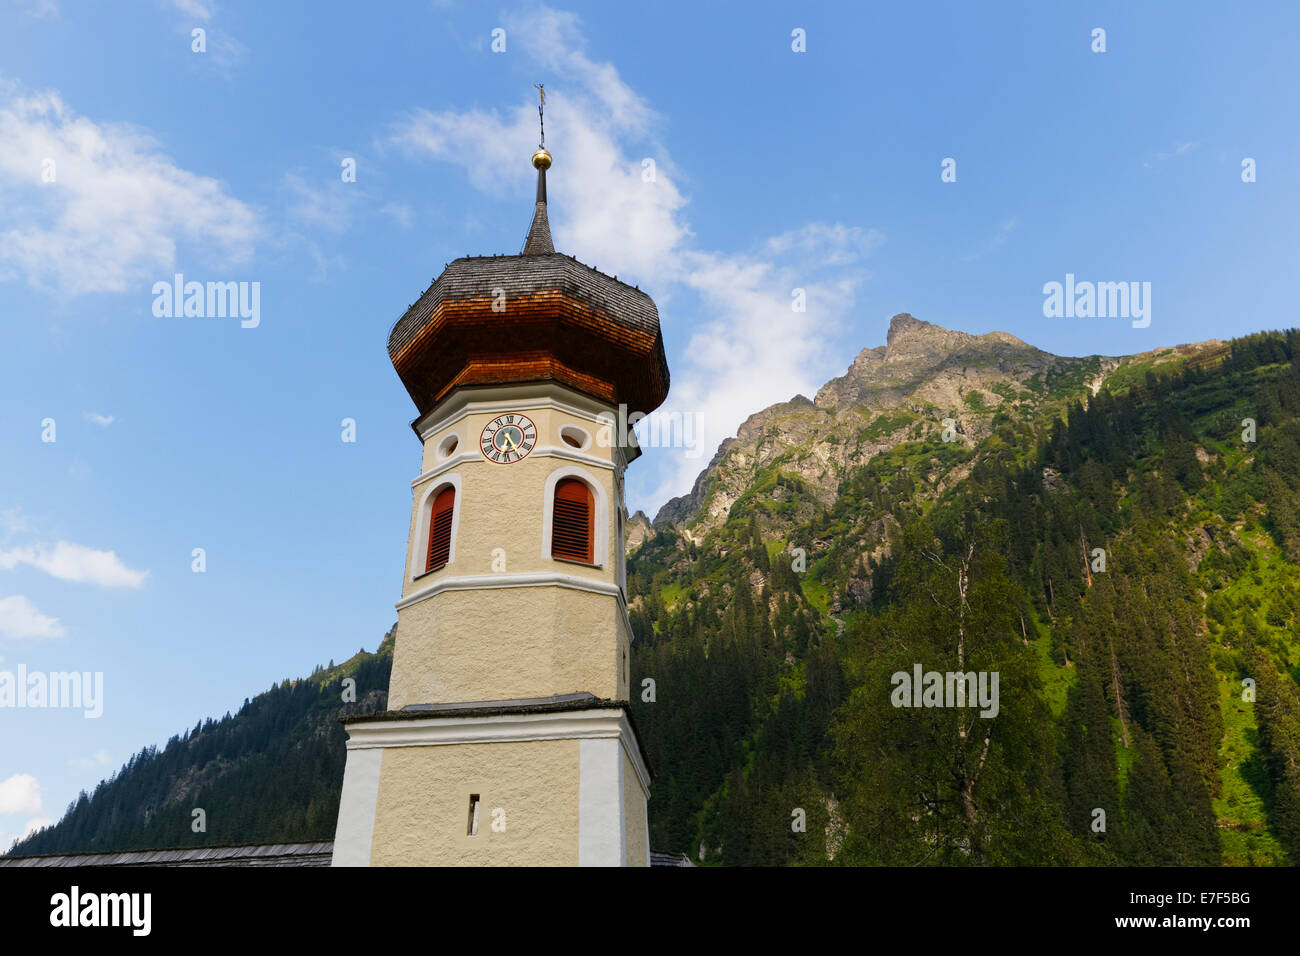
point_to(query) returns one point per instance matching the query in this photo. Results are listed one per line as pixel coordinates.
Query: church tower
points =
(508, 738)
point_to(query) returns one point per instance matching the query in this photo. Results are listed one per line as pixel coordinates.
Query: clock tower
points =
(508, 738)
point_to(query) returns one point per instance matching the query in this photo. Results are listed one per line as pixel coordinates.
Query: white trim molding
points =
(535, 579)
(356, 826)
(541, 451)
(602, 815)
(594, 723)
(420, 540)
(508, 398)
(600, 544)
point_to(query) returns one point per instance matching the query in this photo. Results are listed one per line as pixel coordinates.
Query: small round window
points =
(575, 437)
(447, 447)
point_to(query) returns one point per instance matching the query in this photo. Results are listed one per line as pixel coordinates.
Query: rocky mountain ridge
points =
(903, 390)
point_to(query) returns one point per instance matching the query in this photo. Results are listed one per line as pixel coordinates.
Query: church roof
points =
(265, 854)
(471, 277)
(536, 316)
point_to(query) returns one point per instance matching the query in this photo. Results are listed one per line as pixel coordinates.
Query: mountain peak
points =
(905, 323)
(929, 357)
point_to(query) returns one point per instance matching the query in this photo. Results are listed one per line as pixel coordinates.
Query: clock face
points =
(508, 438)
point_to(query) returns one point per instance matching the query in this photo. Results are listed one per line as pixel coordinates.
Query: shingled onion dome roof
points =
(555, 320)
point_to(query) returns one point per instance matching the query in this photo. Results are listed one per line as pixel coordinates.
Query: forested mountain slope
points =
(271, 773)
(1121, 689)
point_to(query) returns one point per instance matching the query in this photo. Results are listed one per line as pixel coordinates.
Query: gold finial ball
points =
(541, 159)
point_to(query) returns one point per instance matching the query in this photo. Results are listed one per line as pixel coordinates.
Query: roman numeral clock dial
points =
(508, 438)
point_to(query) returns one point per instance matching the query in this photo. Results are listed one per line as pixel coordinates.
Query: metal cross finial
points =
(541, 121)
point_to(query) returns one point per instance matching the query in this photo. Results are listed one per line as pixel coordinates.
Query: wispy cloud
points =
(400, 212)
(38, 9)
(1180, 149)
(100, 207)
(220, 49)
(97, 761)
(19, 618)
(326, 206)
(75, 562)
(195, 9)
(103, 421)
(14, 522)
(994, 242)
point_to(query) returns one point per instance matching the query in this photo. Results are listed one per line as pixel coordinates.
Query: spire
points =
(539, 242)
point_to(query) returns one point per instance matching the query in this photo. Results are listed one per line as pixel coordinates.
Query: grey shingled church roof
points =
(265, 854)
(539, 268)
(473, 277)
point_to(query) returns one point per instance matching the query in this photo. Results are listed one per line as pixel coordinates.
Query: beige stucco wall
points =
(501, 506)
(423, 807)
(509, 643)
(485, 644)
(634, 806)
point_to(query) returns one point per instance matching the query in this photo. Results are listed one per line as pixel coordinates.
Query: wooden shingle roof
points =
(265, 854)
(535, 316)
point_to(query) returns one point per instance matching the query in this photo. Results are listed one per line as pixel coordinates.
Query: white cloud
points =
(20, 795)
(117, 207)
(400, 212)
(75, 562)
(1179, 150)
(97, 761)
(994, 242)
(830, 244)
(13, 521)
(749, 348)
(194, 8)
(327, 207)
(19, 618)
(30, 827)
(221, 50)
(38, 9)
(103, 421)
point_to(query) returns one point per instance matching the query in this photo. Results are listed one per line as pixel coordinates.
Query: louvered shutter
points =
(571, 526)
(440, 529)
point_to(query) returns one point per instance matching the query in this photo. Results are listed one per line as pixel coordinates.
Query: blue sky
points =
(774, 170)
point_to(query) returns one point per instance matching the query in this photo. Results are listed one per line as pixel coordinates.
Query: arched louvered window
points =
(573, 521)
(440, 529)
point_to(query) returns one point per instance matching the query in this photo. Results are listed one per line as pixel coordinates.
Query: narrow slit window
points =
(571, 523)
(472, 828)
(440, 530)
